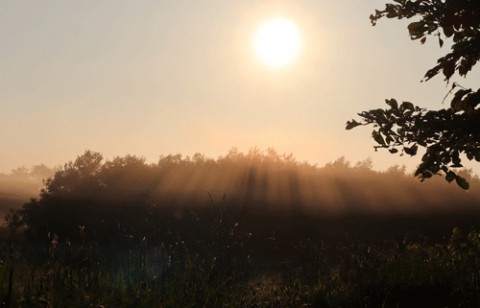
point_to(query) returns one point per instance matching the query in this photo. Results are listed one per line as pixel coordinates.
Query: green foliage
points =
(445, 134)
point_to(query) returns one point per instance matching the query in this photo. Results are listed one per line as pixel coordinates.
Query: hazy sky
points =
(158, 77)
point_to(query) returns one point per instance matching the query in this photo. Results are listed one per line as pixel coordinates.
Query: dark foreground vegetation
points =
(245, 230)
(225, 272)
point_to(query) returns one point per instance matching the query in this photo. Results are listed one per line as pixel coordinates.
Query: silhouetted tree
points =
(445, 134)
(122, 200)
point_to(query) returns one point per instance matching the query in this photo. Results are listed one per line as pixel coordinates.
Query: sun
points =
(277, 42)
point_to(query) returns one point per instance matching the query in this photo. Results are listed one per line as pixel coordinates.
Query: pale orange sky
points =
(158, 77)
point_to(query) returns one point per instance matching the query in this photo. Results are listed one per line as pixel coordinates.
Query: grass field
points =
(221, 263)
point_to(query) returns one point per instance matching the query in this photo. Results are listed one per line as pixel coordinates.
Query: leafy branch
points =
(446, 134)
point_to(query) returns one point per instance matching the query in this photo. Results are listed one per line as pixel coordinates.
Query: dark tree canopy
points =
(447, 135)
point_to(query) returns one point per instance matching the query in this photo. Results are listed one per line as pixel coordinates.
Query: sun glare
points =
(277, 42)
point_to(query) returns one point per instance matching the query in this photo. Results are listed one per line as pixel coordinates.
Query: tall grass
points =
(180, 274)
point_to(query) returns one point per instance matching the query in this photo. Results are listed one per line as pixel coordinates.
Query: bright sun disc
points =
(277, 42)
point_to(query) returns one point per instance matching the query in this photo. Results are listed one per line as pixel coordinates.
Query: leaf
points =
(431, 73)
(411, 150)
(393, 150)
(388, 137)
(462, 182)
(352, 124)
(470, 101)
(450, 176)
(392, 103)
(422, 168)
(378, 138)
(456, 103)
(406, 106)
(416, 29)
(448, 30)
(461, 93)
(448, 69)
